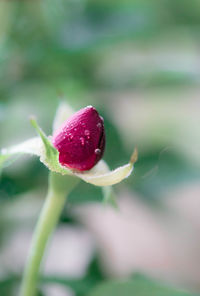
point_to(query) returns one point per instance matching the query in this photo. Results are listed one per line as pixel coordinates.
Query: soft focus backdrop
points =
(138, 63)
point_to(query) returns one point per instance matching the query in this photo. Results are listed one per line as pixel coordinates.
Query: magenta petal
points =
(81, 140)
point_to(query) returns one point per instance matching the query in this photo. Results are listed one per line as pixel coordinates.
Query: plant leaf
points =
(100, 176)
(32, 146)
(49, 155)
(107, 179)
(138, 286)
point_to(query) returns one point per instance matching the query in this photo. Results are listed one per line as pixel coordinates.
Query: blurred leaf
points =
(81, 287)
(139, 286)
(85, 193)
(159, 171)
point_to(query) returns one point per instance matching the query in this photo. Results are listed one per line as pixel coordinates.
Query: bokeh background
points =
(138, 63)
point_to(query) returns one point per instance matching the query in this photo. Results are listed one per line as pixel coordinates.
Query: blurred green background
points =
(138, 63)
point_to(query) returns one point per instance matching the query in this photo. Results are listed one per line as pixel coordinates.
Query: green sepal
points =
(9, 155)
(50, 156)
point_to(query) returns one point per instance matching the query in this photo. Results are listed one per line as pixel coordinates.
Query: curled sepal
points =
(100, 176)
(32, 146)
(49, 155)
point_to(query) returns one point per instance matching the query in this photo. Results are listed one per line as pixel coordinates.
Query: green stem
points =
(59, 186)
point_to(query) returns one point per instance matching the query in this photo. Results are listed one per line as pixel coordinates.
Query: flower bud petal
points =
(81, 140)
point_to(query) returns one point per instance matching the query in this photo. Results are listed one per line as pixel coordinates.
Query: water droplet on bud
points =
(82, 141)
(97, 151)
(87, 133)
(70, 137)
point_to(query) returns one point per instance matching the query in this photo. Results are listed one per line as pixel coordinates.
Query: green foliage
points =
(139, 286)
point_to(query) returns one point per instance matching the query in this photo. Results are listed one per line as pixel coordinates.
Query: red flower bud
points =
(81, 140)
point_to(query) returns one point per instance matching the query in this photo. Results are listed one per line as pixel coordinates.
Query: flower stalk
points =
(59, 187)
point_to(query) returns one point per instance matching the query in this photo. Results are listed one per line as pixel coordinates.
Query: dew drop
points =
(82, 141)
(97, 151)
(70, 137)
(87, 133)
(99, 125)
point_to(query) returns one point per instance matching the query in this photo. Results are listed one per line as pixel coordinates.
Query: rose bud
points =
(81, 140)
